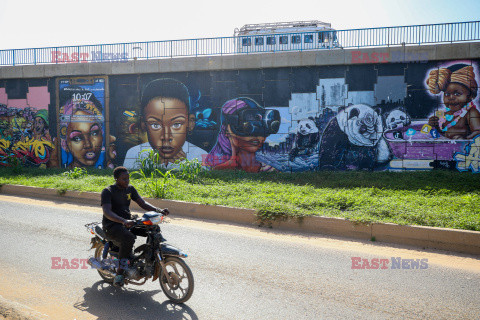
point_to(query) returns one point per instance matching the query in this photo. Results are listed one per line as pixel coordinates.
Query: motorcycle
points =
(155, 259)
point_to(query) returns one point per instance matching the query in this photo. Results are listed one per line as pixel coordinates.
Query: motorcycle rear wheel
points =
(180, 287)
(98, 255)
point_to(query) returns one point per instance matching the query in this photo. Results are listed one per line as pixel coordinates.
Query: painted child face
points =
(456, 96)
(84, 140)
(167, 123)
(249, 144)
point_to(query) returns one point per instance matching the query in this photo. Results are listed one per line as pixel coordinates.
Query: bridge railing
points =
(325, 40)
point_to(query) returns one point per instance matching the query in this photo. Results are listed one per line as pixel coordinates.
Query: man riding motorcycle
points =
(117, 219)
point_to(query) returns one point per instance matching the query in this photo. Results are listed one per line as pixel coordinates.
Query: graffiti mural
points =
(25, 136)
(82, 124)
(369, 116)
(162, 123)
(245, 127)
(362, 117)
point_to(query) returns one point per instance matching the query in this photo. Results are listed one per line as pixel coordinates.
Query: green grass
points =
(437, 198)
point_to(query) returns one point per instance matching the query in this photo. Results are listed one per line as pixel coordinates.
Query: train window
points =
(271, 40)
(259, 41)
(246, 42)
(321, 37)
(283, 40)
(308, 38)
(296, 39)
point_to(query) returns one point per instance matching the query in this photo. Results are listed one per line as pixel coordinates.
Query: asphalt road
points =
(240, 273)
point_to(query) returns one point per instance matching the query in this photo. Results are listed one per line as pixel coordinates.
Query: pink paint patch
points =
(38, 97)
(3, 96)
(17, 103)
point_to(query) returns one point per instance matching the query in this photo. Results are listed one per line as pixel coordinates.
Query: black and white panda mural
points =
(396, 119)
(353, 140)
(306, 139)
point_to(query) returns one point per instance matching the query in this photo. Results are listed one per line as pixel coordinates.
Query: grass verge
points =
(437, 198)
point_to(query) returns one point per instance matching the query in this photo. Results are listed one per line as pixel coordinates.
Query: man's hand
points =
(165, 211)
(129, 223)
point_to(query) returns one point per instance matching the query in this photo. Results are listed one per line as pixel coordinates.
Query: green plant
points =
(158, 184)
(189, 170)
(15, 163)
(75, 173)
(61, 191)
(149, 161)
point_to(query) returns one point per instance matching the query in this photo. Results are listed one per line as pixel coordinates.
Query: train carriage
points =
(284, 36)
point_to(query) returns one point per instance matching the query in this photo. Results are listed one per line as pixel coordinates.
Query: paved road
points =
(240, 273)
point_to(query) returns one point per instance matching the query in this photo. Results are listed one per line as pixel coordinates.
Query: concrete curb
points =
(463, 241)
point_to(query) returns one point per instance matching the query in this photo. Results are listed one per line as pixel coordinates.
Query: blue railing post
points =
(13, 57)
(35, 56)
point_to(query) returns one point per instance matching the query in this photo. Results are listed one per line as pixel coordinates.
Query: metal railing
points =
(353, 38)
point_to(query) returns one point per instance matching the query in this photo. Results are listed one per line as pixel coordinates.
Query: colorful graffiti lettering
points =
(33, 151)
(471, 159)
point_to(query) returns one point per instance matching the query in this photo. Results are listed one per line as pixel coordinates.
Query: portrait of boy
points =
(165, 117)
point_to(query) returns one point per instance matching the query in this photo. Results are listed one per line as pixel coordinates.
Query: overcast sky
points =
(30, 24)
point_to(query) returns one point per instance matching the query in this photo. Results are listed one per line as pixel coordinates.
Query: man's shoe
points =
(119, 280)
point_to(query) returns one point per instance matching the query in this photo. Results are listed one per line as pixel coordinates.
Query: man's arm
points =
(147, 206)
(110, 215)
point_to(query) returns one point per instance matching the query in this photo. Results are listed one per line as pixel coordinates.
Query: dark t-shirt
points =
(120, 200)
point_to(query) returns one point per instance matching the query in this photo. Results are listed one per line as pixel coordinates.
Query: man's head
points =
(121, 176)
(165, 116)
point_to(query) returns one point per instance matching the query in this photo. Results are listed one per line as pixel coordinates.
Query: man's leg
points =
(125, 239)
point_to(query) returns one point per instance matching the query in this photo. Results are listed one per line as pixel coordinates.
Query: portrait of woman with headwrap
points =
(460, 119)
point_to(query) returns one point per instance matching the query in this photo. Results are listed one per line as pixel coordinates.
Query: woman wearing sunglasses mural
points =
(245, 126)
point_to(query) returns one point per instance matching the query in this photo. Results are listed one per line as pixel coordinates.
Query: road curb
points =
(463, 241)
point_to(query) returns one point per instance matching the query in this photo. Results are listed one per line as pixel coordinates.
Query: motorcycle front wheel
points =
(105, 275)
(179, 287)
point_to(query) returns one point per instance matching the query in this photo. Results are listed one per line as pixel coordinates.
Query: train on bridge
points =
(282, 36)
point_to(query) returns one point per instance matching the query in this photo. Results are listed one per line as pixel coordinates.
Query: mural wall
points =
(25, 124)
(391, 116)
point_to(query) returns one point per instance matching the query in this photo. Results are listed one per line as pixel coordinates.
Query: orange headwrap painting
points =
(439, 79)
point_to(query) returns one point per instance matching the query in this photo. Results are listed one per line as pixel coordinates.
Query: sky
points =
(34, 24)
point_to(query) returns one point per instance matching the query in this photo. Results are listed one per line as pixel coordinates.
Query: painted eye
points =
(177, 125)
(402, 118)
(77, 139)
(308, 126)
(155, 126)
(94, 133)
(392, 119)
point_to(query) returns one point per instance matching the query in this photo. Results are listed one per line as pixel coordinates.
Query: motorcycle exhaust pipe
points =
(94, 263)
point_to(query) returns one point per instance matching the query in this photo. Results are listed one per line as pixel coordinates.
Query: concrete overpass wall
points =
(339, 109)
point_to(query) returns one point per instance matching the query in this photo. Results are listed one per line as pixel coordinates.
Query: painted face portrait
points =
(456, 96)
(249, 143)
(39, 126)
(167, 122)
(84, 141)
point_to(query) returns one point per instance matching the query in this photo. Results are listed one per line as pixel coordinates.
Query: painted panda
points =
(397, 118)
(306, 138)
(353, 139)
